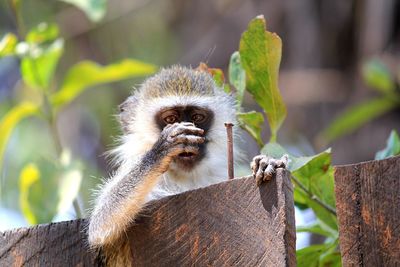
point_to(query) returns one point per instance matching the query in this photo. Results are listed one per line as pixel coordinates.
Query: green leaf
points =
(11, 119)
(8, 44)
(94, 9)
(300, 198)
(37, 68)
(252, 122)
(30, 175)
(219, 79)
(275, 150)
(260, 54)
(309, 256)
(237, 76)
(87, 74)
(356, 116)
(218, 76)
(317, 176)
(377, 76)
(331, 259)
(319, 255)
(317, 229)
(392, 147)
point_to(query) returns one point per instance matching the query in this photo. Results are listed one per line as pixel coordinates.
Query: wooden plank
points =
(368, 208)
(54, 244)
(234, 223)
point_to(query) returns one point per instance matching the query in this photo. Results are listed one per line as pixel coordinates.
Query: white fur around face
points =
(212, 168)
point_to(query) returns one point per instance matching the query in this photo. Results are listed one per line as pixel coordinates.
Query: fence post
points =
(368, 209)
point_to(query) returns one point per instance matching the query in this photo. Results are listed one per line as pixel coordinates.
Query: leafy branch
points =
(377, 77)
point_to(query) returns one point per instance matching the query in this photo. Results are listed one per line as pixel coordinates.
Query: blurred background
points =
(336, 55)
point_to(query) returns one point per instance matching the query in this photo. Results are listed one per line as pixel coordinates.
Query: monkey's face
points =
(201, 117)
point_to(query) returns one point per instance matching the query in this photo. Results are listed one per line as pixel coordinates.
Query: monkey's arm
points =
(264, 167)
(123, 197)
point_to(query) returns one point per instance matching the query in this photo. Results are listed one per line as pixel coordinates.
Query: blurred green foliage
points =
(49, 185)
(377, 77)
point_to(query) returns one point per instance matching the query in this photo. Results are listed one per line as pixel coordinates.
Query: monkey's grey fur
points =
(146, 169)
(146, 155)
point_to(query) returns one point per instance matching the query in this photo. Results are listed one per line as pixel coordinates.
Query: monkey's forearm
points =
(123, 197)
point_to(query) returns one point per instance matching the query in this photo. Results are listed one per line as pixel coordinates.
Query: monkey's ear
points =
(127, 113)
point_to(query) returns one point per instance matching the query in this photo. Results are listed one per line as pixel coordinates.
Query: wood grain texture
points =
(55, 244)
(233, 223)
(368, 208)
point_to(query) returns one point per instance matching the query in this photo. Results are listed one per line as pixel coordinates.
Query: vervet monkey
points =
(173, 140)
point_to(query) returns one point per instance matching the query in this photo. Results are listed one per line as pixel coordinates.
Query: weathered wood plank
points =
(234, 223)
(55, 244)
(228, 224)
(368, 208)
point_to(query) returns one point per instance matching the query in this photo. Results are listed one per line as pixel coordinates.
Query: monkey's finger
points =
(283, 161)
(255, 163)
(266, 169)
(259, 173)
(192, 130)
(259, 176)
(169, 126)
(185, 123)
(189, 139)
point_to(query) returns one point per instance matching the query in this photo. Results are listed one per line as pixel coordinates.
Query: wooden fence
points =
(234, 223)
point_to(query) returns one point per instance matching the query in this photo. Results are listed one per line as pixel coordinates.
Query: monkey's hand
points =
(264, 167)
(178, 141)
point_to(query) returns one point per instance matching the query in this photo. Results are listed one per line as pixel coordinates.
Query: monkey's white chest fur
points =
(211, 170)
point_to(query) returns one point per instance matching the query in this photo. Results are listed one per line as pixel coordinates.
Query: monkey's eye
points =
(170, 119)
(198, 118)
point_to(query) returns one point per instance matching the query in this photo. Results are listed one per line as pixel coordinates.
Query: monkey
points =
(173, 140)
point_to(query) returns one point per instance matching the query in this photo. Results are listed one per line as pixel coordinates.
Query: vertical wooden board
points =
(234, 223)
(55, 244)
(368, 208)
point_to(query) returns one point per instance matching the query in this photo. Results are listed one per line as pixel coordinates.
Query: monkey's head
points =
(178, 94)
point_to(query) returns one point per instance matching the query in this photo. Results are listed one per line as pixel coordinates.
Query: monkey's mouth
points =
(187, 156)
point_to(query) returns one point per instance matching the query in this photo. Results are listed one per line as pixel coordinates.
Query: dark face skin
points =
(201, 117)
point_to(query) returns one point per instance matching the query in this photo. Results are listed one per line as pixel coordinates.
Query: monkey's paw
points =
(264, 167)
